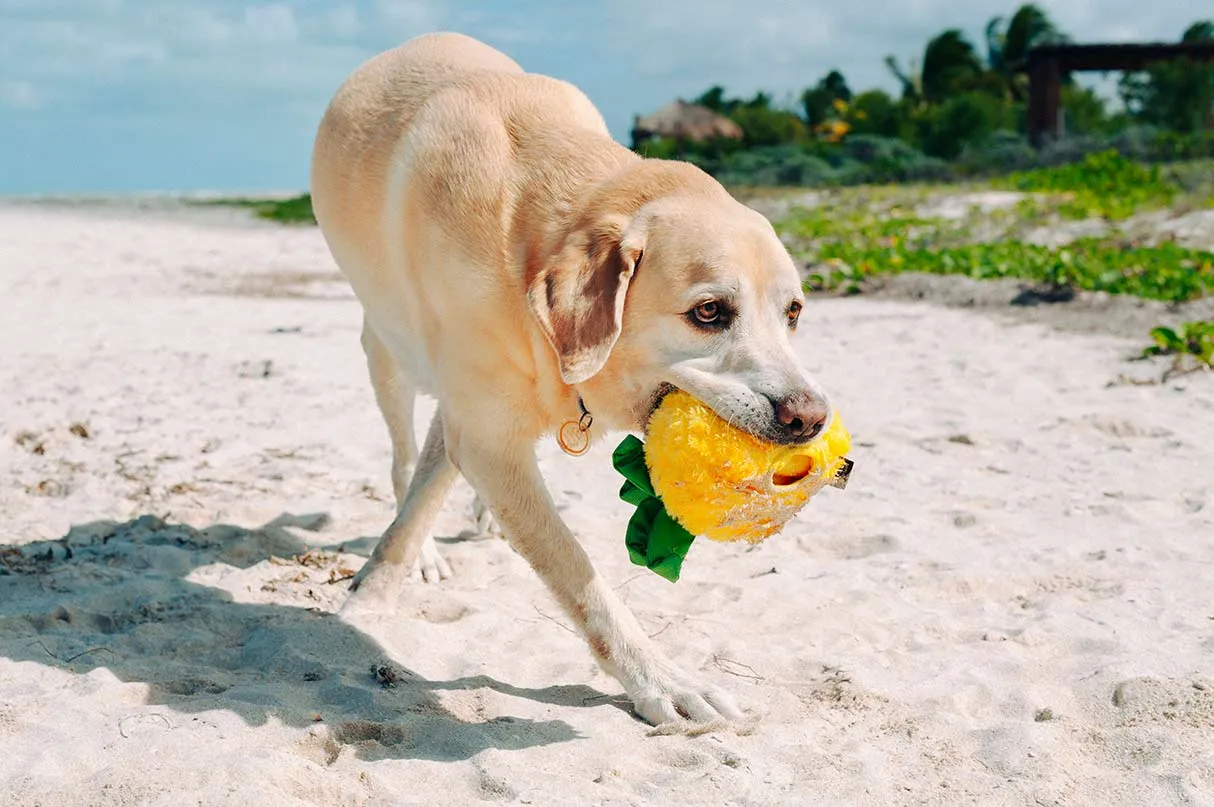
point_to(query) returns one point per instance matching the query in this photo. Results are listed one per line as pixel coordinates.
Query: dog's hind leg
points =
(395, 396)
(402, 548)
(486, 525)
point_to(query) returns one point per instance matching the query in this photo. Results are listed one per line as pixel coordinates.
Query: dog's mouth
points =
(655, 400)
(665, 388)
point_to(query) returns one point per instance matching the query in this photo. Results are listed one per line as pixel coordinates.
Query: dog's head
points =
(690, 290)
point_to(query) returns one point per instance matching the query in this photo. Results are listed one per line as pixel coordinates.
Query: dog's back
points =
(371, 111)
(407, 106)
(414, 167)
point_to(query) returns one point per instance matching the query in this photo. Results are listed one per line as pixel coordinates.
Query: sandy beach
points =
(1012, 603)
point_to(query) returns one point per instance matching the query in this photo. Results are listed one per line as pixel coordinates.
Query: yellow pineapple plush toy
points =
(697, 475)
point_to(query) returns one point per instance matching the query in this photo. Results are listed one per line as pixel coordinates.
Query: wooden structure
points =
(1047, 64)
(684, 122)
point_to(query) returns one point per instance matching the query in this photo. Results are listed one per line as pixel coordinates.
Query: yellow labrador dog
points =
(520, 266)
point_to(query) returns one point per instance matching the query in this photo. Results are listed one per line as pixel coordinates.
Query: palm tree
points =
(817, 101)
(1028, 28)
(949, 64)
(1199, 32)
(911, 79)
(1008, 45)
(1178, 95)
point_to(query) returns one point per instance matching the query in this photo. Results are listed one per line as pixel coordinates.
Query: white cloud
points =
(343, 22)
(118, 54)
(782, 46)
(271, 23)
(414, 15)
(265, 69)
(19, 95)
(288, 52)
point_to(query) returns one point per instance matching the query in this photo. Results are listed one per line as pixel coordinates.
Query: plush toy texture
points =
(697, 475)
(726, 484)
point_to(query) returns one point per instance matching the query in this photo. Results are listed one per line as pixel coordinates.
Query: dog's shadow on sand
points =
(115, 595)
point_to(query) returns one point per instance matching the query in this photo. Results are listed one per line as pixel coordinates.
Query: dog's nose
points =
(801, 417)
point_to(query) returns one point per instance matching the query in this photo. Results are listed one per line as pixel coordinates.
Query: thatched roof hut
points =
(685, 122)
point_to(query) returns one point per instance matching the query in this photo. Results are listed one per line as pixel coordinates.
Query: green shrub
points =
(1194, 339)
(863, 159)
(774, 165)
(874, 113)
(962, 120)
(1074, 149)
(1083, 110)
(764, 126)
(845, 243)
(886, 159)
(296, 210)
(1001, 153)
(1104, 184)
(1167, 272)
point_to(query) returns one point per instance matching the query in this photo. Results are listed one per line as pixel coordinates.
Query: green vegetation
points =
(1178, 96)
(1103, 185)
(1166, 272)
(295, 210)
(961, 113)
(854, 236)
(1193, 339)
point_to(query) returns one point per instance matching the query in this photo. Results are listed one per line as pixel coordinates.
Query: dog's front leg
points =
(508, 478)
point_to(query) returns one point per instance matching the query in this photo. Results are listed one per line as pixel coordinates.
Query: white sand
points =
(1012, 603)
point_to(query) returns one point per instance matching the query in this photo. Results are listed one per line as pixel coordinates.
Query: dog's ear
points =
(578, 296)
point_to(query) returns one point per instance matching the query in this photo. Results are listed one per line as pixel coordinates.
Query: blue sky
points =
(135, 95)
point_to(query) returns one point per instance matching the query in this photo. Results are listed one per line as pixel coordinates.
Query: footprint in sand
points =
(442, 612)
(319, 746)
(684, 759)
(493, 788)
(1157, 702)
(353, 732)
(850, 548)
(193, 686)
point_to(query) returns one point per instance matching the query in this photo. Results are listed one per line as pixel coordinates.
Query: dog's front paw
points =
(673, 697)
(376, 588)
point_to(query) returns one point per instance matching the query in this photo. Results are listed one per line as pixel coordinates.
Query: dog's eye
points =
(708, 313)
(794, 314)
(712, 315)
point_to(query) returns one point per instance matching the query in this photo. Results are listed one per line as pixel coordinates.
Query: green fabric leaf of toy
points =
(629, 459)
(654, 539)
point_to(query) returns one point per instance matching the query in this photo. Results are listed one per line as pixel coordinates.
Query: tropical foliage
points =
(1177, 95)
(960, 104)
(959, 113)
